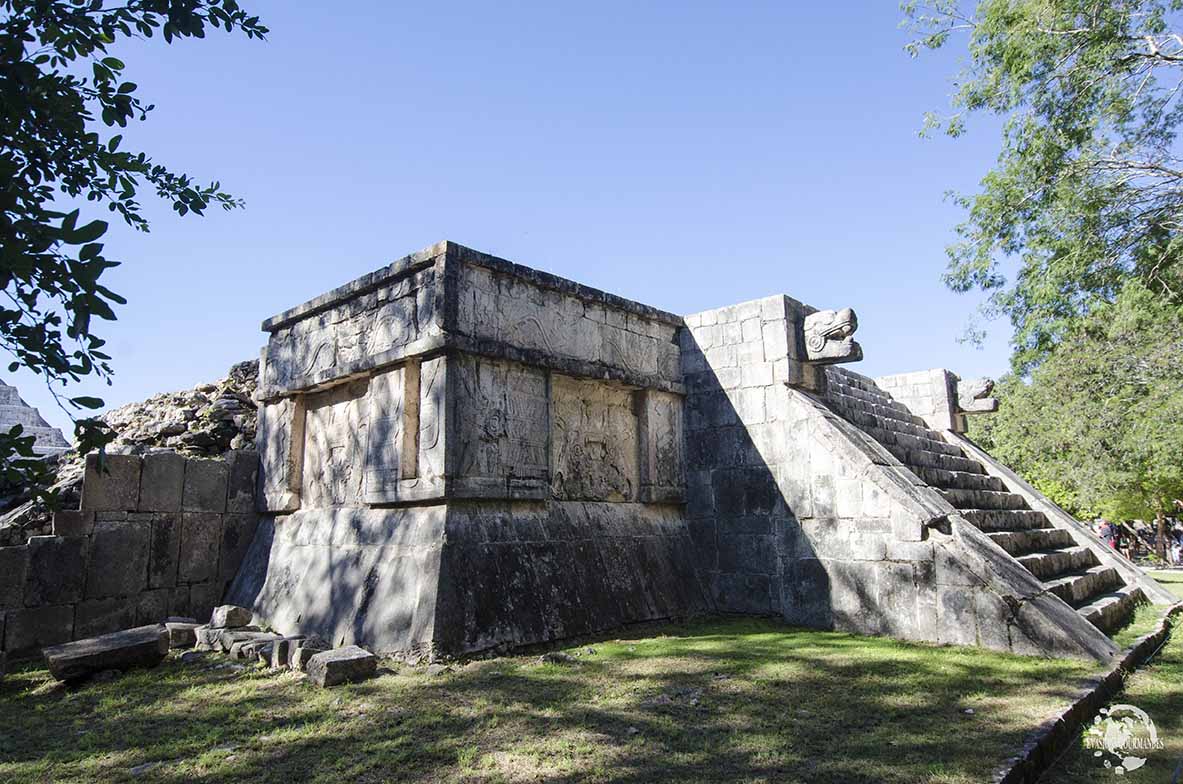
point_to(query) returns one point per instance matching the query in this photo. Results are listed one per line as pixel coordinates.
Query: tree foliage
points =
(1087, 193)
(63, 96)
(1098, 427)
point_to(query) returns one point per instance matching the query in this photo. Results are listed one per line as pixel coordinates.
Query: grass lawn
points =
(1157, 689)
(722, 700)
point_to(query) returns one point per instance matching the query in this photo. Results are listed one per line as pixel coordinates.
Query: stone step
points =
(983, 499)
(875, 403)
(1031, 540)
(1110, 611)
(919, 458)
(958, 480)
(1049, 564)
(869, 419)
(1079, 588)
(893, 417)
(1006, 520)
(911, 443)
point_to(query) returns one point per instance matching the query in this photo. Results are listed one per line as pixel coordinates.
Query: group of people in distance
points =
(1136, 538)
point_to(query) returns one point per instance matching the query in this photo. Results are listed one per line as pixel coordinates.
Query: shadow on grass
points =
(727, 700)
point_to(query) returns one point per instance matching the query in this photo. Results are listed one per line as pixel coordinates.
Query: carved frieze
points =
(311, 349)
(515, 312)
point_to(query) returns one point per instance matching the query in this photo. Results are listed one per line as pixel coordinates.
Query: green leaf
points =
(114, 63)
(88, 233)
(87, 402)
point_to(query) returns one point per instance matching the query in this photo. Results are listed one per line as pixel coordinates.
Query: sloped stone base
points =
(457, 578)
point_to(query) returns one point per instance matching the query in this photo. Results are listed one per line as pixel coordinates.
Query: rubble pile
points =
(205, 421)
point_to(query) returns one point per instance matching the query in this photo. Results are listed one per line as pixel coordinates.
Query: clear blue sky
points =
(687, 155)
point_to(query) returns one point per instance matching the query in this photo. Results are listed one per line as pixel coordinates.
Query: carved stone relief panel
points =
(662, 466)
(433, 390)
(593, 441)
(387, 423)
(335, 435)
(517, 312)
(279, 440)
(501, 420)
(378, 321)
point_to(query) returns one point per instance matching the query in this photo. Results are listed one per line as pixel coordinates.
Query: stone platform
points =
(459, 453)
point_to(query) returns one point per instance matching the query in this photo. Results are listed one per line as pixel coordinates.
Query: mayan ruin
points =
(793, 393)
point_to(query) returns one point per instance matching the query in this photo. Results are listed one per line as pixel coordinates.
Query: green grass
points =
(723, 700)
(1157, 689)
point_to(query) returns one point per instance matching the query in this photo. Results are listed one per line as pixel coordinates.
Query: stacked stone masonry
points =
(460, 454)
(156, 536)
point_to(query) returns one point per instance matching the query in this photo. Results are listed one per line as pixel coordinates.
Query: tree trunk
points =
(1160, 541)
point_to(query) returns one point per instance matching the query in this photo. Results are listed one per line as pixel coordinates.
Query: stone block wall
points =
(795, 511)
(779, 506)
(154, 536)
(929, 394)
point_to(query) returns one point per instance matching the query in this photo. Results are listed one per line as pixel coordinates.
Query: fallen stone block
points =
(300, 653)
(144, 646)
(230, 639)
(229, 616)
(207, 638)
(342, 665)
(181, 635)
(249, 648)
(281, 650)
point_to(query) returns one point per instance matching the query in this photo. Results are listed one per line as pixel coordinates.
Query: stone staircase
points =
(1066, 568)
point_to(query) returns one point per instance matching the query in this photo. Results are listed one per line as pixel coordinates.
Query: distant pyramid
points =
(14, 411)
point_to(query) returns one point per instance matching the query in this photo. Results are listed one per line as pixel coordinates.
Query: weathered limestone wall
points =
(929, 394)
(155, 536)
(795, 511)
(461, 453)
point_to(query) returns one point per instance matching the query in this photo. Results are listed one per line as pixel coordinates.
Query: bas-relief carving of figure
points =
(973, 396)
(594, 431)
(829, 337)
(502, 412)
(334, 446)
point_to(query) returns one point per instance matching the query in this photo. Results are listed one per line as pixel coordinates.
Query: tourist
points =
(1108, 533)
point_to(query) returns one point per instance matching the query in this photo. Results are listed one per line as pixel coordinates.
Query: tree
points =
(1098, 427)
(62, 95)
(1087, 193)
